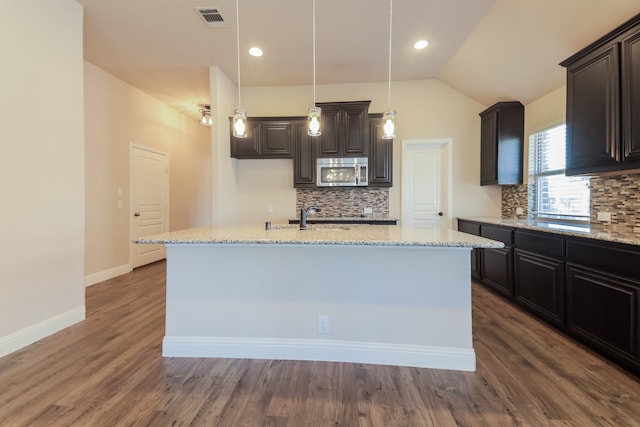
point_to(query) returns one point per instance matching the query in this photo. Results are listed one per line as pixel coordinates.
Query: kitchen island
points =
(379, 294)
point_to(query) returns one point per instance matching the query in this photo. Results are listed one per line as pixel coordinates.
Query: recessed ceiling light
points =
(420, 44)
(255, 51)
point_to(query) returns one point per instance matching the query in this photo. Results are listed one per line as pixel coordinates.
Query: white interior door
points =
(425, 183)
(149, 171)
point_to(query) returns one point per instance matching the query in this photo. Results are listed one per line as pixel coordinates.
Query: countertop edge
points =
(624, 236)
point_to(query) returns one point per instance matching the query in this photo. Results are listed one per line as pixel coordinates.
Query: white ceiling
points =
(490, 50)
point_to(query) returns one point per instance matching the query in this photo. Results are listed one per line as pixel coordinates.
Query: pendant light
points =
(239, 116)
(389, 116)
(314, 112)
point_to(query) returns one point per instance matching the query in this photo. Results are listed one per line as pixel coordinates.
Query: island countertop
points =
(321, 234)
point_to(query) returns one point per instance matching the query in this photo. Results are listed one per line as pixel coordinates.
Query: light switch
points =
(119, 203)
(120, 192)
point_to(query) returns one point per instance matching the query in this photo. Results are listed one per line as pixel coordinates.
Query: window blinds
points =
(552, 194)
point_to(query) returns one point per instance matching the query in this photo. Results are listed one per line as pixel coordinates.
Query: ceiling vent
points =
(211, 16)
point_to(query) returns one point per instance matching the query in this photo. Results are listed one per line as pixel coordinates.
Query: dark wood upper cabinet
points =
(501, 144)
(344, 129)
(603, 103)
(304, 161)
(267, 137)
(380, 154)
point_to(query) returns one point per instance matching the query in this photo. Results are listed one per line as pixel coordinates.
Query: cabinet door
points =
(330, 133)
(380, 154)
(275, 139)
(630, 72)
(489, 148)
(249, 147)
(593, 113)
(497, 269)
(602, 310)
(355, 128)
(304, 164)
(539, 285)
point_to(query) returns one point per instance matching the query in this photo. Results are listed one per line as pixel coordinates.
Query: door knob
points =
(136, 214)
(440, 214)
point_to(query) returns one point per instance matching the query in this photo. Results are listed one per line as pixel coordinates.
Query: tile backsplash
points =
(618, 195)
(344, 202)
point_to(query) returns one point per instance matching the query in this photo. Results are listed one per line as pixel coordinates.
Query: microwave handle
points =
(356, 170)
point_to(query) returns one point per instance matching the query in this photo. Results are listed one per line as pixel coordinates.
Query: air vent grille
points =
(211, 16)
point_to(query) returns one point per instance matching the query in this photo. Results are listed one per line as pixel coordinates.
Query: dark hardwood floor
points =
(107, 371)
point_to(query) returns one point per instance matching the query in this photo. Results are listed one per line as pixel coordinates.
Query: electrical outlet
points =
(519, 211)
(323, 324)
(368, 211)
(270, 208)
(604, 216)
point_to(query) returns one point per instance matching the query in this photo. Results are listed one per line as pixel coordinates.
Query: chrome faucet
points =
(303, 215)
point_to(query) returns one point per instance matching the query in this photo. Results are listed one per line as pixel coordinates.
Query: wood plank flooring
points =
(107, 371)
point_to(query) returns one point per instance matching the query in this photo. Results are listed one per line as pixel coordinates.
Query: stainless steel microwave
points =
(342, 172)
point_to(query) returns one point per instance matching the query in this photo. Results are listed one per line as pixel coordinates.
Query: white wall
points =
(426, 109)
(118, 114)
(41, 170)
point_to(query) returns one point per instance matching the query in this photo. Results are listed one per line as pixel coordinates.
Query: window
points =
(552, 195)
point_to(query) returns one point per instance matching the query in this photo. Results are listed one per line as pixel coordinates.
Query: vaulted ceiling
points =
(488, 49)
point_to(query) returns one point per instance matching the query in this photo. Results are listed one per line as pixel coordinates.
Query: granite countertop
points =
(356, 234)
(619, 234)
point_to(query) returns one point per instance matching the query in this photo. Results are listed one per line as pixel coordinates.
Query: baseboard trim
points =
(321, 350)
(101, 276)
(33, 333)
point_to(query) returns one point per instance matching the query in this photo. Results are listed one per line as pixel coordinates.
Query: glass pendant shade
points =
(239, 123)
(389, 124)
(314, 121)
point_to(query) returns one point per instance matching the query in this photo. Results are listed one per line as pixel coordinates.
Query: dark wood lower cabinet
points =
(602, 310)
(497, 269)
(539, 285)
(472, 228)
(586, 288)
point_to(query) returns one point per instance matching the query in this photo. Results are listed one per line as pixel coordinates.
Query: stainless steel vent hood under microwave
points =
(342, 172)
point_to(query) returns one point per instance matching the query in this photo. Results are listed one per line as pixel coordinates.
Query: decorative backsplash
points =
(344, 202)
(618, 195)
(514, 197)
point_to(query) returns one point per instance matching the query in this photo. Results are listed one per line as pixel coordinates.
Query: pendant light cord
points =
(238, 48)
(314, 53)
(390, 27)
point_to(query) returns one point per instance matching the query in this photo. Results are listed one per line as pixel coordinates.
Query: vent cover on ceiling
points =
(211, 16)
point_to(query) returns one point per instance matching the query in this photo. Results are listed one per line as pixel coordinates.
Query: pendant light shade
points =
(315, 113)
(239, 115)
(389, 117)
(389, 124)
(239, 123)
(314, 121)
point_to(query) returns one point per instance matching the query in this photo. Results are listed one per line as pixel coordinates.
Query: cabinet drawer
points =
(615, 258)
(542, 244)
(493, 232)
(469, 227)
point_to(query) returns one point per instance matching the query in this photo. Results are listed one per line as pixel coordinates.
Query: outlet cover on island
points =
(368, 211)
(323, 324)
(604, 216)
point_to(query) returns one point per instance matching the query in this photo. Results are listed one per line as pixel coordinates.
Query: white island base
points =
(391, 305)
